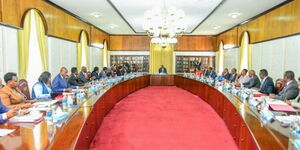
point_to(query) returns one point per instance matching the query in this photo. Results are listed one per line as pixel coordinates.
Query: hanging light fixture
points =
(164, 24)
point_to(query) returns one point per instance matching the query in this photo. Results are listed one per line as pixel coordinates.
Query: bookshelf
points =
(141, 61)
(187, 63)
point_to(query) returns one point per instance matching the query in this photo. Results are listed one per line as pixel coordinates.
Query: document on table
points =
(4, 132)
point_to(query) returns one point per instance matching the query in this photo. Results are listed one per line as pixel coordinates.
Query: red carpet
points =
(163, 118)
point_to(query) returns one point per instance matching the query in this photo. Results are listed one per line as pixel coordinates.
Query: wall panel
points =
(229, 37)
(277, 56)
(231, 58)
(196, 43)
(129, 43)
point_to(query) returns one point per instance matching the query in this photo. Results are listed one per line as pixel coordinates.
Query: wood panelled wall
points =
(280, 22)
(59, 23)
(185, 43)
(129, 42)
(196, 43)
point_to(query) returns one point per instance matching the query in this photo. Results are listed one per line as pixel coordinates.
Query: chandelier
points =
(164, 24)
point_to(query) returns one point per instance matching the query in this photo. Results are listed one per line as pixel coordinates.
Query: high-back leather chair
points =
(23, 86)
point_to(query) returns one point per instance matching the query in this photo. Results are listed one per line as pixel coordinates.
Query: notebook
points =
(281, 108)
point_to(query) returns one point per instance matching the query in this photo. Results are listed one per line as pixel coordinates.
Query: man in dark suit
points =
(290, 91)
(226, 74)
(73, 79)
(267, 84)
(253, 82)
(233, 75)
(162, 69)
(82, 77)
(60, 84)
(212, 73)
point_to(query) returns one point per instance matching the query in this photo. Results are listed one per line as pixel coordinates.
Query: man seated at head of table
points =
(60, 84)
(242, 78)
(11, 96)
(42, 89)
(291, 90)
(296, 101)
(267, 84)
(253, 82)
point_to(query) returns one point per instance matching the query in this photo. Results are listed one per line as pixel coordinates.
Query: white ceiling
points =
(195, 10)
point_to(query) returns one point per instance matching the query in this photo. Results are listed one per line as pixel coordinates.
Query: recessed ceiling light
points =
(112, 26)
(96, 14)
(234, 15)
(216, 27)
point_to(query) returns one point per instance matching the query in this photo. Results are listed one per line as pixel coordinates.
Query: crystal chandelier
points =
(164, 24)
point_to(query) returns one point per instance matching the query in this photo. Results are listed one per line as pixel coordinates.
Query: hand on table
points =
(11, 113)
(272, 95)
(68, 90)
(288, 102)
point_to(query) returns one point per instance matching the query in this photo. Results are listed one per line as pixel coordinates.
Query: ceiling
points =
(203, 17)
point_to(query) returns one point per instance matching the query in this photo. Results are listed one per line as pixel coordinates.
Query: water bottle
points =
(49, 116)
(70, 101)
(64, 102)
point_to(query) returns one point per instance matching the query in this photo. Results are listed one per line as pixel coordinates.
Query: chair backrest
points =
(23, 86)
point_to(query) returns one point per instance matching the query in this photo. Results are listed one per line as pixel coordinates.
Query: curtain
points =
(23, 42)
(220, 58)
(79, 54)
(40, 30)
(161, 56)
(85, 49)
(244, 51)
(250, 56)
(105, 54)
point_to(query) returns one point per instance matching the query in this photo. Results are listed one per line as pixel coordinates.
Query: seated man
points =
(162, 69)
(232, 75)
(83, 77)
(290, 91)
(296, 101)
(103, 73)
(253, 82)
(212, 73)
(267, 84)
(11, 96)
(242, 78)
(226, 74)
(5, 113)
(42, 89)
(73, 80)
(60, 84)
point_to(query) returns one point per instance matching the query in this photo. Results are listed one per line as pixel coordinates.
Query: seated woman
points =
(279, 85)
(11, 96)
(95, 74)
(42, 89)
(198, 72)
(296, 102)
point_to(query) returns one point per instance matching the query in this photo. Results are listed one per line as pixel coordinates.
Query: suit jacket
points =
(213, 74)
(267, 86)
(206, 72)
(162, 70)
(253, 82)
(59, 84)
(3, 109)
(291, 91)
(232, 77)
(95, 74)
(73, 80)
(102, 74)
(82, 79)
(10, 97)
(226, 76)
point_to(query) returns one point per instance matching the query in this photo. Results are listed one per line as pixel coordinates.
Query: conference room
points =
(149, 75)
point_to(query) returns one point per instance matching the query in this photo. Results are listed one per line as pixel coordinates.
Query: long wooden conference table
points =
(78, 131)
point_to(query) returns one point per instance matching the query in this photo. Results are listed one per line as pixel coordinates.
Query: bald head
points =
(83, 69)
(63, 71)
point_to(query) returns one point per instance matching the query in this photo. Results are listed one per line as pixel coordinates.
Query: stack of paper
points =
(4, 132)
(30, 118)
(282, 108)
